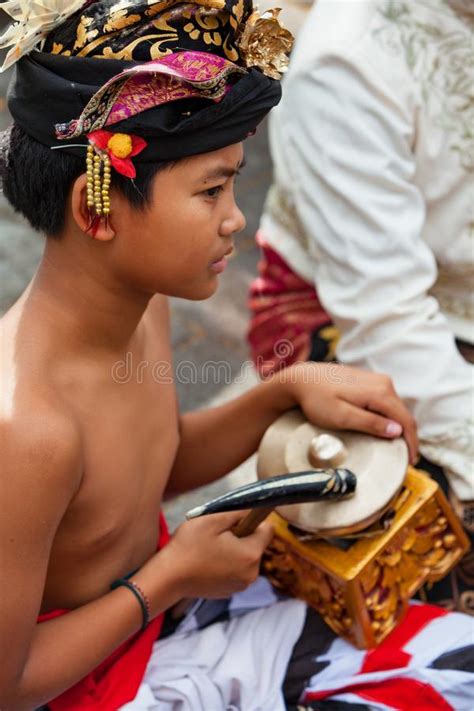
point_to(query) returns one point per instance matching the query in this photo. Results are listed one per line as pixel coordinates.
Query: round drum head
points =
(292, 444)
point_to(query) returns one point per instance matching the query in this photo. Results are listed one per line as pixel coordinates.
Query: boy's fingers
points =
(356, 418)
(225, 521)
(264, 534)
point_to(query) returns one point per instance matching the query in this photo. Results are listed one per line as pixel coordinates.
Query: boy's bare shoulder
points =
(41, 446)
(39, 438)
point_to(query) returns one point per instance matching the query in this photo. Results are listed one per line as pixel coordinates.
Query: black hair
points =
(37, 180)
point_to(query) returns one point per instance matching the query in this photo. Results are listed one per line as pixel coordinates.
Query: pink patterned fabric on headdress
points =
(181, 75)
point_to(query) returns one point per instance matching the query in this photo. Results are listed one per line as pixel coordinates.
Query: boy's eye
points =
(213, 192)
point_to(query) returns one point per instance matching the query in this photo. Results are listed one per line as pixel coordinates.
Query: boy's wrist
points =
(162, 582)
(286, 385)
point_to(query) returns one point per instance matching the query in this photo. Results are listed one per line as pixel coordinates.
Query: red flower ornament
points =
(120, 148)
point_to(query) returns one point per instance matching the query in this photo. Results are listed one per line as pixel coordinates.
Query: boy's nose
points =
(234, 222)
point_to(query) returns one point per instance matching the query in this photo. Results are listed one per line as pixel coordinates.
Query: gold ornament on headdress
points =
(266, 44)
(34, 20)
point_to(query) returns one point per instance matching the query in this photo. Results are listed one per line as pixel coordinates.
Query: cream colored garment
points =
(373, 199)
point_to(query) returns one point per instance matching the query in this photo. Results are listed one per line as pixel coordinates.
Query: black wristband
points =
(140, 596)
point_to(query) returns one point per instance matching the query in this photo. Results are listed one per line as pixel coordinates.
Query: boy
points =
(86, 461)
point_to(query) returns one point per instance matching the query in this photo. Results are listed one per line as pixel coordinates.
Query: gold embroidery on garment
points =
(454, 289)
(93, 45)
(208, 22)
(200, 25)
(159, 7)
(83, 35)
(127, 52)
(58, 49)
(229, 50)
(119, 20)
(163, 26)
(239, 10)
(438, 53)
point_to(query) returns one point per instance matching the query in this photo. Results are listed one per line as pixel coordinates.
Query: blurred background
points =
(213, 330)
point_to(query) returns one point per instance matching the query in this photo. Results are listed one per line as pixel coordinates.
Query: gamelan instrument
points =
(357, 560)
(261, 497)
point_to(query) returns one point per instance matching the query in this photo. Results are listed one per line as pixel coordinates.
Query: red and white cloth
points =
(427, 663)
(258, 652)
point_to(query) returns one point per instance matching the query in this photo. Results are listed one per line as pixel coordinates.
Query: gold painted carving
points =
(363, 592)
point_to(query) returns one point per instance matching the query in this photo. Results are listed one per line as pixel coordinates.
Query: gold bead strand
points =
(90, 177)
(97, 184)
(106, 187)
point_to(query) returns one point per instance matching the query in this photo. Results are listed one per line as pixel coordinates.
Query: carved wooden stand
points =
(363, 592)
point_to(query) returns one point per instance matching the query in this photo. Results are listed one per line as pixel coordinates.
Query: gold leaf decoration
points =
(266, 44)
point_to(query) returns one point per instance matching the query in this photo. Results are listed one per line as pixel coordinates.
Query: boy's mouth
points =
(220, 264)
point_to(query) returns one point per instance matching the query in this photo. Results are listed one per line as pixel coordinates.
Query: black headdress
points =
(53, 86)
(141, 80)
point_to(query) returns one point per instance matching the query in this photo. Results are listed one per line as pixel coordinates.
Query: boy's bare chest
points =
(130, 433)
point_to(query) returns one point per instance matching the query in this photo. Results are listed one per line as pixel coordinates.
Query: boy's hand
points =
(339, 397)
(210, 561)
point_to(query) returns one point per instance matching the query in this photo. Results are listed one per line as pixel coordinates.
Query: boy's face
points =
(177, 245)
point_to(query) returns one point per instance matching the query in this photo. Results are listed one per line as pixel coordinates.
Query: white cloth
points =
(374, 200)
(236, 665)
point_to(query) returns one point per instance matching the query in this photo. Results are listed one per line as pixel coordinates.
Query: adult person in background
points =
(367, 234)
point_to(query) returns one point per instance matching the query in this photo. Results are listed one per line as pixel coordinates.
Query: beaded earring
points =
(107, 150)
(98, 182)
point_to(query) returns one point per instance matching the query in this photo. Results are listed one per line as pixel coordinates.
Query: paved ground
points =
(207, 331)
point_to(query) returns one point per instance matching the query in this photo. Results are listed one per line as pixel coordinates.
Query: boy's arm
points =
(215, 441)
(40, 474)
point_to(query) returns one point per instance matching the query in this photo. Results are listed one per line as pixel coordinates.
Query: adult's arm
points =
(351, 163)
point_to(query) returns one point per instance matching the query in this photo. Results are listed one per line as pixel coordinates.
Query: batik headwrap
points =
(185, 78)
(143, 31)
(184, 102)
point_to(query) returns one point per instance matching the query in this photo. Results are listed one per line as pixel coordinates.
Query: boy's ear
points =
(102, 231)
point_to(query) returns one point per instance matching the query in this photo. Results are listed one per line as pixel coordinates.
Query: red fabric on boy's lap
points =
(116, 681)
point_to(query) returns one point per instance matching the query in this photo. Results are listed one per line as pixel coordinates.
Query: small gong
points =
(292, 444)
